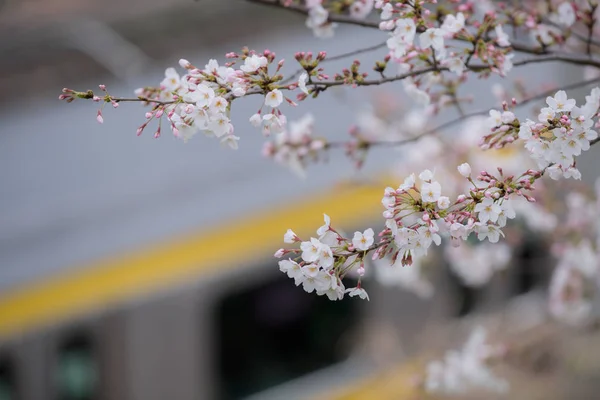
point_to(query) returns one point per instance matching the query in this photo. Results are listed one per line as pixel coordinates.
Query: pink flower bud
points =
(99, 117)
(102, 87)
(185, 63)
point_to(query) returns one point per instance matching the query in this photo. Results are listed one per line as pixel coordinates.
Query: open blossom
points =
(292, 269)
(361, 8)
(508, 212)
(454, 24)
(491, 232)
(465, 370)
(430, 192)
(231, 141)
(405, 30)
(408, 183)
(253, 63)
(311, 250)
(475, 265)
(274, 98)
(318, 20)
(360, 292)
(455, 64)
(488, 210)
(560, 102)
(501, 36)
(565, 14)
(386, 11)
(443, 202)
(315, 279)
(172, 80)
(204, 95)
(426, 175)
(363, 241)
(432, 37)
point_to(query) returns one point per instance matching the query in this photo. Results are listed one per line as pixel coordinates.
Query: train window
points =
(7, 378)
(274, 332)
(528, 273)
(77, 368)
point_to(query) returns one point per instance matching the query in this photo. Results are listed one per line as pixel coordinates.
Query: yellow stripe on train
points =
(226, 246)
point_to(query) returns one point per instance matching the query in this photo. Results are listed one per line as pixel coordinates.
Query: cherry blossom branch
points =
(365, 144)
(323, 85)
(341, 56)
(344, 19)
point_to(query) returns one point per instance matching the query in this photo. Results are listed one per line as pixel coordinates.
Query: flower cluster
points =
(415, 213)
(293, 147)
(562, 133)
(405, 21)
(467, 369)
(475, 265)
(198, 100)
(321, 263)
(575, 280)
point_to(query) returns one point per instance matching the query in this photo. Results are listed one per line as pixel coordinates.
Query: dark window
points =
(8, 386)
(77, 368)
(274, 332)
(533, 258)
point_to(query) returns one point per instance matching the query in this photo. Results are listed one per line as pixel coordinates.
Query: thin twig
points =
(335, 58)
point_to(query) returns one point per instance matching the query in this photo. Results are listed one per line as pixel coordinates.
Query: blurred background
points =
(135, 268)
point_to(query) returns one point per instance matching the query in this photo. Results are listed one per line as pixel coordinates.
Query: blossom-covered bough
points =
(432, 47)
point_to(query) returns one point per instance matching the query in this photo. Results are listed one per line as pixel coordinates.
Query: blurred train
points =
(207, 316)
(186, 301)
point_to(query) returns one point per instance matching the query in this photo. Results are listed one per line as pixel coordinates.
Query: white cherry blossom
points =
(356, 291)
(501, 36)
(454, 24)
(431, 192)
(293, 270)
(253, 63)
(274, 98)
(560, 102)
(432, 37)
(488, 210)
(364, 240)
(311, 250)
